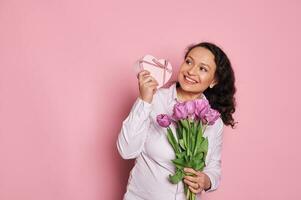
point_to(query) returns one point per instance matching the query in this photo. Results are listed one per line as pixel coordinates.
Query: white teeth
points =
(190, 80)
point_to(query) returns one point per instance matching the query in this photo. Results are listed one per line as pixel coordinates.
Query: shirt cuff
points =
(212, 186)
(144, 103)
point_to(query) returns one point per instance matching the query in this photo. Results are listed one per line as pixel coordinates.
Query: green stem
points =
(189, 136)
(193, 196)
(188, 193)
(204, 127)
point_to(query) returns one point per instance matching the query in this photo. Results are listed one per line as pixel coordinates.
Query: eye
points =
(188, 61)
(203, 68)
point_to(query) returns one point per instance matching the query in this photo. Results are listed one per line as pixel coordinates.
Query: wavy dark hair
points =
(221, 96)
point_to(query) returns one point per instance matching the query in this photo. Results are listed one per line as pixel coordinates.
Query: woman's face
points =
(197, 71)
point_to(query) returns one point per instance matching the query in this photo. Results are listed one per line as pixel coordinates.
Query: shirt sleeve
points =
(213, 168)
(133, 132)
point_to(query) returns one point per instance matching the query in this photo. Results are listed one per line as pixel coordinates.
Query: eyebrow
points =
(201, 62)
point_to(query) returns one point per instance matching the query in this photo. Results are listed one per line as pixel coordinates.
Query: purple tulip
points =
(211, 116)
(190, 107)
(163, 120)
(180, 111)
(202, 107)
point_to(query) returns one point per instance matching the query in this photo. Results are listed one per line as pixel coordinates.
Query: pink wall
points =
(66, 84)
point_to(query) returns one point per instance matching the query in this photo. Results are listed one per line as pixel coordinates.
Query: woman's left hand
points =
(198, 182)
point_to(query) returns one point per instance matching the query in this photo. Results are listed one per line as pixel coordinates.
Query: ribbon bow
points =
(157, 64)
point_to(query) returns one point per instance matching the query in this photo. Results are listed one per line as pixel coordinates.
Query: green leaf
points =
(179, 132)
(188, 152)
(180, 161)
(177, 177)
(179, 166)
(193, 136)
(199, 155)
(196, 163)
(205, 154)
(204, 146)
(185, 138)
(200, 166)
(184, 123)
(188, 139)
(180, 155)
(189, 135)
(181, 143)
(186, 158)
(199, 139)
(172, 140)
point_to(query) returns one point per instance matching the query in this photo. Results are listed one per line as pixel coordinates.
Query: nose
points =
(193, 70)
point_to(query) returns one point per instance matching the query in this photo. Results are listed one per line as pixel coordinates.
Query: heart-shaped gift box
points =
(160, 69)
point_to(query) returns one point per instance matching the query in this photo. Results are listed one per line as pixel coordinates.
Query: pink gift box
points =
(160, 69)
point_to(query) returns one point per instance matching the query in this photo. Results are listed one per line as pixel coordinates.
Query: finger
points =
(142, 73)
(153, 82)
(195, 190)
(143, 76)
(190, 170)
(192, 178)
(151, 85)
(147, 80)
(145, 71)
(156, 81)
(191, 183)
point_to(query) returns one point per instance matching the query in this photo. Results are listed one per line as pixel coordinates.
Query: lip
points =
(191, 79)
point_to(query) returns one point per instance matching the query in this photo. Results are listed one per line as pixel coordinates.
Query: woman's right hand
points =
(147, 86)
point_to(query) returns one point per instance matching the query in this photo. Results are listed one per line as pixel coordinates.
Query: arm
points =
(213, 169)
(134, 130)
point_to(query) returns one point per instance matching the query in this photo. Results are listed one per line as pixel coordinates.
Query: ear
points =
(213, 83)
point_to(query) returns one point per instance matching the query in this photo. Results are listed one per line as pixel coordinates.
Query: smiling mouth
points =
(190, 80)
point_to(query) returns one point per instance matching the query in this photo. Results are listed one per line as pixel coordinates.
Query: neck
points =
(186, 96)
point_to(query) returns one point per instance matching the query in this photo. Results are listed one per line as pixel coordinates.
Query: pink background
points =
(66, 85)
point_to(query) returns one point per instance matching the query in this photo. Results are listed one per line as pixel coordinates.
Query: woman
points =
(205, 73)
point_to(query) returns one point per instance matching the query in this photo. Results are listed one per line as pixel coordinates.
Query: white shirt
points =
(142, 138)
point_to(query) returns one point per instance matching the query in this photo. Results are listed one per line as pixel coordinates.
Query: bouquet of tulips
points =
(191, 119)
